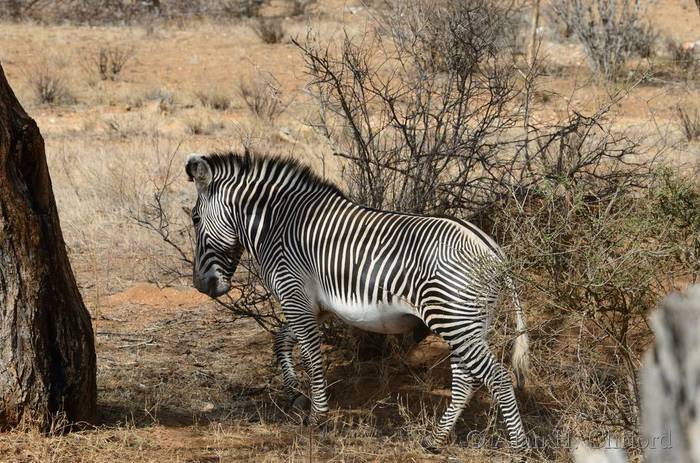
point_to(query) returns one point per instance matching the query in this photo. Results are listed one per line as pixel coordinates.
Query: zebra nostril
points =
(205, 284)
(212, 284)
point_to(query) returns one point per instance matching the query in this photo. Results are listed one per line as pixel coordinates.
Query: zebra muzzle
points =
(212, 284)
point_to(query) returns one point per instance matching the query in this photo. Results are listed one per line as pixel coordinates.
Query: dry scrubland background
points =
(122, 102)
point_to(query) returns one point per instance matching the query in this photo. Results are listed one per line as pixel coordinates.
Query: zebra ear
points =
(198, 170)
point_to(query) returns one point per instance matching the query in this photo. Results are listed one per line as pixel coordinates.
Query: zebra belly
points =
(393, 317)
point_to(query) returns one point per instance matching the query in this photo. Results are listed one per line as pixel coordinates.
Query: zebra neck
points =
(265, 209)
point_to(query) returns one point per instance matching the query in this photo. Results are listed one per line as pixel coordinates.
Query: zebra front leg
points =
(310, 344)
(463, 387)
(484, 366)
(283, 346)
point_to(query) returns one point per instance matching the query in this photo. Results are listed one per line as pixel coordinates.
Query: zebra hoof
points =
(299, 407)
(520, 455)
(430, 446)
(316, 419)
(301, 403)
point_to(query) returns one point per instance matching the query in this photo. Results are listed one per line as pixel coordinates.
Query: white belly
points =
(391, 317)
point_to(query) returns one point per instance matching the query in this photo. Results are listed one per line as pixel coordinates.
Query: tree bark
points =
(47, 350)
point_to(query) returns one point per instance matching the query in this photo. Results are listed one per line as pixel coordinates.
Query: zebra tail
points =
(521, 348)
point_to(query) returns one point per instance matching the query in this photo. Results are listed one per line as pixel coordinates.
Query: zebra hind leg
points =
(283, 346)
(463, 386)
(484, 366)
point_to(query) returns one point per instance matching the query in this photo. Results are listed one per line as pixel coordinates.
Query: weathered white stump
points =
(670, 387)
(670, 382)
(585, 454)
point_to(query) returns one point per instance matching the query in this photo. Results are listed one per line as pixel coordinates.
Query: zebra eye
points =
(195, 219)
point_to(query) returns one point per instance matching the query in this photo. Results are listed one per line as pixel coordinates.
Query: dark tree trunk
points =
(47, 350)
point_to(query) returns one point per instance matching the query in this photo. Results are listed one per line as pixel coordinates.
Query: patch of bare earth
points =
(179, 381)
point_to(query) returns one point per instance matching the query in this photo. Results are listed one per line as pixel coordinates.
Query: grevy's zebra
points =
(380, 271)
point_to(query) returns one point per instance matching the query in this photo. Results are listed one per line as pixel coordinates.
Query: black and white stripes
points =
(377, 270)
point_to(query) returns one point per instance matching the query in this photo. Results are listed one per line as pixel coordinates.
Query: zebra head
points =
(218, 247)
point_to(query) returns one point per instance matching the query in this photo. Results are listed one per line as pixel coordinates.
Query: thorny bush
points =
(595, 229)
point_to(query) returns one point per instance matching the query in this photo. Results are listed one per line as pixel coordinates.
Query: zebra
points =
(320, 253)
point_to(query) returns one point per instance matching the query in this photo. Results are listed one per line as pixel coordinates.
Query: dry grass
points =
(689, 122)
(109, 61)
(263, 97)
(197, 125)
(214, 99)
(270, 30)
(684, 60)
(50, 86)
(177, 380)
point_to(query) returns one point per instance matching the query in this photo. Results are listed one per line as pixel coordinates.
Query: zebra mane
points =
(252, 165)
